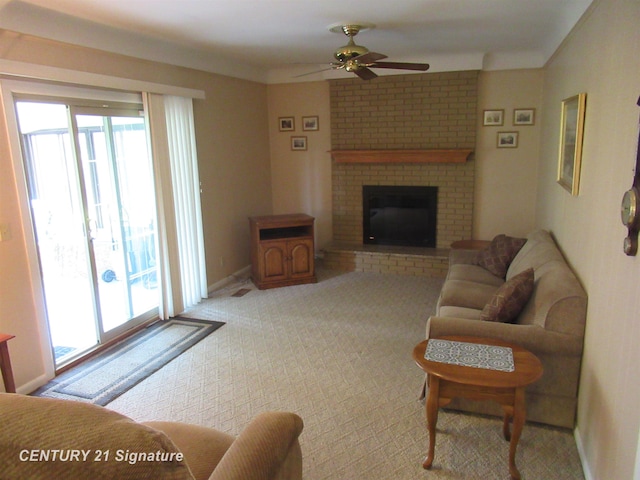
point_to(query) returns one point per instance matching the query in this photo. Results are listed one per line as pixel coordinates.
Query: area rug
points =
(114, 371)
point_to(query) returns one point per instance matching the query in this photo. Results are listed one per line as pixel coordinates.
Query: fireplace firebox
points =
(399, 215)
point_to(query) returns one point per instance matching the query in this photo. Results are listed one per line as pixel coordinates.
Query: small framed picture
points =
(298, 143)
(310, 123)
(286, 124)
(507, 139)
(493, 118)
(524, 116)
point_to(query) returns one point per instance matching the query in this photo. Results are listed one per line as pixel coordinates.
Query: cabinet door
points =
(273, 256)
(301, 256)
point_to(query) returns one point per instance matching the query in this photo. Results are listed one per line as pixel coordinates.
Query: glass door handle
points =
(92, 226)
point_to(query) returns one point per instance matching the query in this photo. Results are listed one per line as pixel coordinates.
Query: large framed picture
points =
(571, 135)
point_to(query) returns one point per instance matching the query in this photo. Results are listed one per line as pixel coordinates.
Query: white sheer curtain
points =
(181, 260)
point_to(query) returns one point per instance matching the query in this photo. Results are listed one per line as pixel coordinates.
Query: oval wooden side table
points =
(447, 381)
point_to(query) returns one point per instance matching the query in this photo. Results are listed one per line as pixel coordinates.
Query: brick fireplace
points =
(427, 112)
(455, 184)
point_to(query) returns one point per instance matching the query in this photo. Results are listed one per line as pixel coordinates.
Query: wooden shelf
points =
(401, 156)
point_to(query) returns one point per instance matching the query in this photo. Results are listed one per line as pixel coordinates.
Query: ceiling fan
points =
(359, 60)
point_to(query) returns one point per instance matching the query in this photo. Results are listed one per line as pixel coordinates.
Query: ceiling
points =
(274, 40)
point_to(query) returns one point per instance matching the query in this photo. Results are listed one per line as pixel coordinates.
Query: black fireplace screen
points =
(399, 215)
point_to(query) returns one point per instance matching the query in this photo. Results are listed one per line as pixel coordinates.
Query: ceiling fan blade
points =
(365, 74)
(333, 66)
(402, 66)
(315, 71)
(369, 57)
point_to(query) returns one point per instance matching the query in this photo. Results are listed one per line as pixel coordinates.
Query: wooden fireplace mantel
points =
(458, 155)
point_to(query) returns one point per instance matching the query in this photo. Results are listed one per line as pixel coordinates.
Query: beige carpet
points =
(338, 353)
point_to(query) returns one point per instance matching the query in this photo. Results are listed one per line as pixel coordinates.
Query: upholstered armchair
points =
(267, 448)
(44, 438)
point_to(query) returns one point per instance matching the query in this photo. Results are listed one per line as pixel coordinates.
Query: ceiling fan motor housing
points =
(349, 51)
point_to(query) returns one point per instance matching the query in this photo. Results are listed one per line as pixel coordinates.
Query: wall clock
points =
(630, 208)
(630, 211)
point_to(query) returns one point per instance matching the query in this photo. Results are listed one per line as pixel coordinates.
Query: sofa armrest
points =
(532, 337)
(267, 448)
(459, 255)
(202, 447)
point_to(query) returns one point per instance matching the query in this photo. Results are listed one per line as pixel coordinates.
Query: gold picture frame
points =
(524, 116)
(298, 143)
(507, 140)
(571, 137)
(310, 123)
(493, 118)
(286, 124)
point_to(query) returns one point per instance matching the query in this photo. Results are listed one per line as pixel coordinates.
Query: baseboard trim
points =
(582, 454)
(242, 273)
(33, 385)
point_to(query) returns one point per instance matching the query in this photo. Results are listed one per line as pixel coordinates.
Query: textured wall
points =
(429, 111)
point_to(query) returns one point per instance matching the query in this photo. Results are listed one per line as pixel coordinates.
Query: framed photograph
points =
(286, 124)
(493, 118)
(524, 116)
(310, 123)
(298, 143)
(507, 139)
(571, 133)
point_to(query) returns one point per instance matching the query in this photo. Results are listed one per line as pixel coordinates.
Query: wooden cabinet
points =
(282, 250)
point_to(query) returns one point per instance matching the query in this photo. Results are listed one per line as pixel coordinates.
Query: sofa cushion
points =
(499, 254)
(459, 312)
(539, 249)
(510, 298)
(469, 257)
(473, 273)
(96, 442)
(461, 293)
(558, 302)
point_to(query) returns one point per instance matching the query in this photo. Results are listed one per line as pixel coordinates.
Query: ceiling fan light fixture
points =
(351, 66)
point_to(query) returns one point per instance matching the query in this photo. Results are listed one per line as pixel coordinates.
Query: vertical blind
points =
(182, 267)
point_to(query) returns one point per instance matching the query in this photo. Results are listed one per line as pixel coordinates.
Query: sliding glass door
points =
(93, 209)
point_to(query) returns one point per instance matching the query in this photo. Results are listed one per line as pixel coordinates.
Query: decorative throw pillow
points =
(500, 253)
(510, 299)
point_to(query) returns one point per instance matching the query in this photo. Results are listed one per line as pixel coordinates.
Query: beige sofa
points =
(44, 438)
(551, 324)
